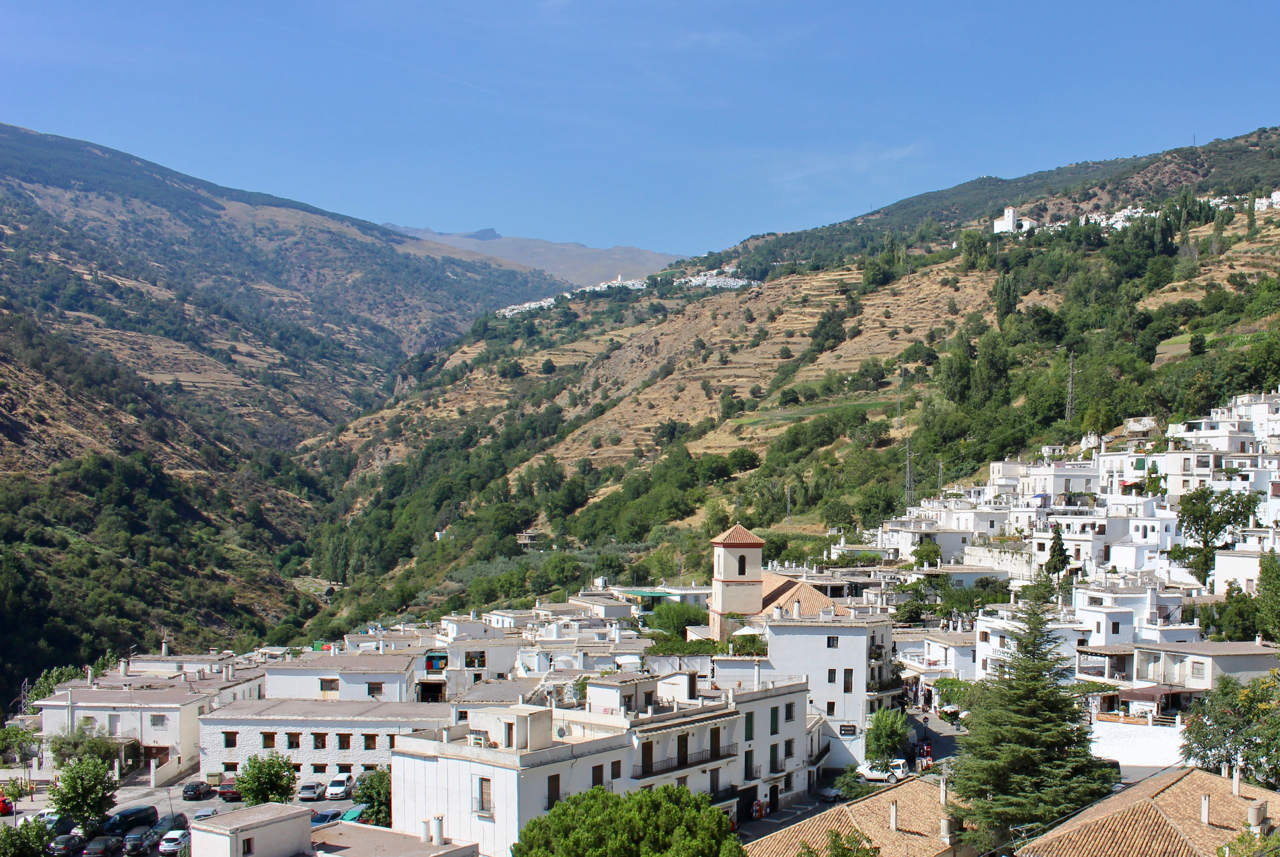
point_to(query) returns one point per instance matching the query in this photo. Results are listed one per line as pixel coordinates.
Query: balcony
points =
(751, 773)
(723, 795)
(887, 686)
(778, 766)
(701, 757)
(875, 653)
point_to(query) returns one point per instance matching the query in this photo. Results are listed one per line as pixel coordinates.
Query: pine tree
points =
(1269, 595)
(1026, 759)
(1057, 562)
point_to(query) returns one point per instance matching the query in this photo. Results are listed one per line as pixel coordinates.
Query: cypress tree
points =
(1026, 759)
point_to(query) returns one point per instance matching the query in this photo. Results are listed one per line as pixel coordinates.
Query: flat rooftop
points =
(393, 662)
(363, 840)
(335, 709)
(248, 817)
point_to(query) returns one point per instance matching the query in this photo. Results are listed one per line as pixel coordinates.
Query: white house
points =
(321, 739)
(366, 676)
(266, 830)
(488, 777)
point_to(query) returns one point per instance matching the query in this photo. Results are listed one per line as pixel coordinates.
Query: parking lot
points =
(166, 800)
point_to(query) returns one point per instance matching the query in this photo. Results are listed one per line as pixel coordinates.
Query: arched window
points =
(742, 566)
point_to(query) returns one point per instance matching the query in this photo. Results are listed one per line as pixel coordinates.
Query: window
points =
(831, 709)
(788, 783)
(344, 769)
(789, 748)
(833, 642)
(615, 769)
(159, 721)
(375, 688)
(984, 637)
(1197, 669)
(597, 775)
(293, 740)
(848, 681)
(344, 741)
(371, 742)
(748, 765)
(484, 795)
(391, 741)
(229, 767)
(790, 713)
(775, 763)
(319, 769)
(319, 740)
(246, 847)
(474, 660)
(368, 767)
(773, 720)
(749, 726)
(297, 768)
(229, 739)
(831, 676)
(328, 685)
(553, 790)
(984, 664)
(1097, 627)
(742, 566)
(1040, 547)
(682, 782)
(1115, 627)
(268, 740)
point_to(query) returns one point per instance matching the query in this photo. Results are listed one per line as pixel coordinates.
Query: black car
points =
(199, 790)
(104, 846)
(67, 845)
(177, 821)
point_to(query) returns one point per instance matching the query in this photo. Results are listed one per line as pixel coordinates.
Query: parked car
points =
(897, 771)
(67, 845)
(830, 795)
(199, 790)
(6, 806)
(326, 816)
(48, 816)
(205, 812)
(311, 791)
(104, 846)
(355, 812)
(176, 821)
(174, 841)
(340, 788)
(228, 791)
(139, 841)
(127, 819)
(88, 830)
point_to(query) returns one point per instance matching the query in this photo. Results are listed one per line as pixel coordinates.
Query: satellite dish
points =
(560, 732)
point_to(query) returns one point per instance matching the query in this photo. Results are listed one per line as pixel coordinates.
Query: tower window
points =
(742, 566)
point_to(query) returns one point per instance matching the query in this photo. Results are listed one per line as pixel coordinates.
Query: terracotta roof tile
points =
(1159, 816)
(738, 536)
(785, 591)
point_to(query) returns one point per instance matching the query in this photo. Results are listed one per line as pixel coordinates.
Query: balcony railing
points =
(778, 766)
(700, 757)
(723, 795)
(751, 773)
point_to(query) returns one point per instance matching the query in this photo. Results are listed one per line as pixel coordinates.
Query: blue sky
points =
(679, 126)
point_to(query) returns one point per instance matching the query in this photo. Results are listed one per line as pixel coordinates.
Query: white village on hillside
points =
(487, 721)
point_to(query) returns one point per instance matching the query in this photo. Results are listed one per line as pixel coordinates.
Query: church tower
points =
(737, 585)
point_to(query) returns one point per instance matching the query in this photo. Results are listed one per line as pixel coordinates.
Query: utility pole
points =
(788, 505)
(911, 482)
(1071, 387)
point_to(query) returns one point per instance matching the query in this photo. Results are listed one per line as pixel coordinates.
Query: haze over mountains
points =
(572, 262)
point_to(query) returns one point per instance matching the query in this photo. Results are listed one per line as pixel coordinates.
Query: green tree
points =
(955, 371)
(669, 821)
(1269, 595)
(84, 791)
(885, 737)
(1006, 296)
(25, 840)
(716, 519)
(989, 378)
(14, 740)
(267, 780)
(852, 784)
(852, 844)
(1057, 561)
(1204, 515)
(1026, 758)
(1249, 844)
(927, 553)
(84, 740)
(674, 617)
(1237, 724)
(1197, 344)
(374, 791)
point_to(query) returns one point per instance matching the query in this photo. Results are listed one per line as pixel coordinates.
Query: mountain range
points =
(233, 418)
(572, 262)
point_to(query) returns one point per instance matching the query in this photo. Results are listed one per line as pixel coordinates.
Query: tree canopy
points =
(85, 790)
(267, 780)
(669, 821)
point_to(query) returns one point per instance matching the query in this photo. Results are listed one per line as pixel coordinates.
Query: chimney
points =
(381, 650)
(1258, 821)
(1257, 640)
(226, 672)
(1235, 781)
(893, 815)
(777, 612)
(426, 831)
(943, 790)
(795, 609)
(1204, 810)
(949, 829)
(124, 665)
(437, 830)
(757, 675)
(164, 648)
(231, 670)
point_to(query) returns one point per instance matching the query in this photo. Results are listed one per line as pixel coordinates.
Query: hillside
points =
(574, 263)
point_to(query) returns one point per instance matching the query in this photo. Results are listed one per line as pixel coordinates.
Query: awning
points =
(644, 593)
(907, 672)
(1153, 694)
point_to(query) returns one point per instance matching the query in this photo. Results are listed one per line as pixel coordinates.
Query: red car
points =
(6, 806)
